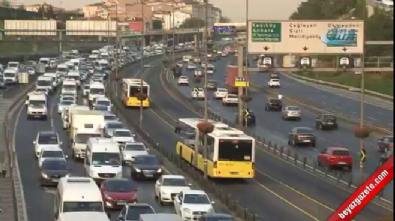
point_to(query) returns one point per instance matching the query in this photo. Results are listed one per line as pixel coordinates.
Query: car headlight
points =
(186, 210)
(67, 175)
(137, 170)
(43, 175)
(119, 174)
(159, 170)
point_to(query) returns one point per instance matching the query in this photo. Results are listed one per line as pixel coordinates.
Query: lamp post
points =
(246, 51)
(174, 33)
(142, 63)
(361, 141)
(205, 34)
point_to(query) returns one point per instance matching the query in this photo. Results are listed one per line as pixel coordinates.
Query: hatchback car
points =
(117, 192)
(292, 112)
(301, 136)
(335, 157)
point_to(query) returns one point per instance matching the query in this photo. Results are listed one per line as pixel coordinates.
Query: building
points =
(214, 13)
(94, 10)
(36, 7)
(167, 18)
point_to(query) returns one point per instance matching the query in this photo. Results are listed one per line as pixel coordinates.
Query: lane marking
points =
(372, 118)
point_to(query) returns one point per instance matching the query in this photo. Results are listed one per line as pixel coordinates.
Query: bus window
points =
(134, 90)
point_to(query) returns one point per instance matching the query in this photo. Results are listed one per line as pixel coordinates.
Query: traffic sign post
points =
(241, 82)
(363, 156)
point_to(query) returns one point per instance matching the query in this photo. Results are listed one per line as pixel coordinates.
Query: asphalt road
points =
(279, 192)
(271, 126)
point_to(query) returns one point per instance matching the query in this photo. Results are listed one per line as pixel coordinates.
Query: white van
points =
(186, 58)
(96, 89)
(13, 65)
(45, 82)
(62, 69)
(74, 75)
(56, 79)
(67, 112)
(10, 76)
(103, 159)
(78, 198)
(69, 86)
(37, 106)
(44, 61)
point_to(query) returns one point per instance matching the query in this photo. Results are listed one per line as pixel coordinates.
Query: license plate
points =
(342, 163)
(234, 173)
(306, 141)
(55, 180)
(121, 203)
(148, 175)
(329, 123)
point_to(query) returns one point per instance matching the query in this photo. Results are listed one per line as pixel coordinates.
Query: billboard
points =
(221, 32)
(306, 37)
(91, 28)
(30, 27)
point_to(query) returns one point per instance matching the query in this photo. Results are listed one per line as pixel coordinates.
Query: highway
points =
(39, 201)
(280, 191)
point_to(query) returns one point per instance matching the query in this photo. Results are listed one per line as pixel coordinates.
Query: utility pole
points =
(361, 141)
(240, 72)
(246, 58)
(205, 34)
(142, 63)
(116, 47)
(174, 33)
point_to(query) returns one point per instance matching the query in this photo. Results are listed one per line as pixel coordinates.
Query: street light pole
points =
(205, 150)
(174, 33)
(116, 48)
(361, 141)
(246, 58)
(142, 63)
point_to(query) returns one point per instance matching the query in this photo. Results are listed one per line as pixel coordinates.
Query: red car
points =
(333, 157)
(385, 143)
(117, 192)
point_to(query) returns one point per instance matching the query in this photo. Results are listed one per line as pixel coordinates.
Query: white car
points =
(46, 139)
(305, 61)
(196, 60)
(133, 149)
(344, 61)
(168, 186)
(230, 99)
(50, 153)
(224, 54)
(104, 102)
(220, 93)
(192, 204)
(191, 66)
(123, 136)
(198, 73)
(64, 104)
(197, 93)
(274, 83)
(183, 80)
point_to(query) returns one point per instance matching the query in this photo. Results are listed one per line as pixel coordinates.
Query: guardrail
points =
(341, 178)
(341, 86)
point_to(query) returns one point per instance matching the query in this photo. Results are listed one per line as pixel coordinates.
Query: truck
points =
(83, 125)
(231, 78)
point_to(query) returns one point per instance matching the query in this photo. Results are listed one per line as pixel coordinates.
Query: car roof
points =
(170, 176)
(338, 148)
(47, 133)
(55, 159)
(194, 192)
(52, 148)
(122, 129)
(113, 122)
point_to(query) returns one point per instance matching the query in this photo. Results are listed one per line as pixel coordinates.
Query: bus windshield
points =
(235, 150)
(134, 90)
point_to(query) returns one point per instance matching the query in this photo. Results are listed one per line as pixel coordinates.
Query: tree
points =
(41, 11)
(322, 9)
(5, 3)
(21, 7)
(193, 23)
(50, 13)
(225, 19)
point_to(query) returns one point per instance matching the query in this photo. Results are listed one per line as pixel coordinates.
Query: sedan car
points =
(110, 117)
(220, 93)
(335, 157)
(274, 105)
(326, 121)
(183, 80)
(230, 99)
(301, 136)
(65, 104)
(104, 102)
(110, 126)
(52, 170)
(212, 85)
(101, 108)
(168, 186)
(291, 112)
(146, 166)
(274, 83)
(198, 93)
(132, 149)
(50, 153)
(385, 143)
(192, 204)
(132, 212)
(118, 192)
(191, 66)
(123, 136)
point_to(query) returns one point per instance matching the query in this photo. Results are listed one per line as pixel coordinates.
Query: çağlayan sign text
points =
(306, 37)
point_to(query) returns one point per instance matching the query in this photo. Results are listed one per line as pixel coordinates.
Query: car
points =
(146, 166)
(273, 83)
(274, 75)
(103, 101)
(385, 143)
(212, 85)
(64, 104)
(197, 93)
(301, 135)
(118, 192)
(110, 117)
(196, 60)
(85, 90)
(110, 126)
(132, 149)
(50, 153)
(168, 186)
(216, 217)
(132, 212)
(42, 90)
(210, 69)
(45, 139)
(52, 170)
(101, 108)
(274, 104)
(180, 64)
(230, 99)
(198, 73)
(123, 136)
(67, 94)
(67, 98)
(224, 54)
(326, 121)
(191, 66)
(192, 204)
(220, 93)
(333, 157)
(291, 112)
(183, 80)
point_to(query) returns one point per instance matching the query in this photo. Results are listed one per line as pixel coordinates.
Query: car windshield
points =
(184, 78)
(67, 102)
(99, 159)
(114, 125)
(9, 74)
(390, 139)
(275, 101)
(211, 82)
(196, 199)
(44, 90)
(52, 153)
(134, 212)
(232, 96)
(68, 98)
(96, 91)
(120, 185)
(36, 103)
(110, 117)
(222, 90)
(329, 117)
(122, 133)
(86, 86)
(54, 165)
(304, 131)
(340, 153)
(83, 138)
(48, 139)
(293, 108)
(100, 107)
(174, 182)
(103, 102)
(149, 159)
(82, 206)
(135, 147)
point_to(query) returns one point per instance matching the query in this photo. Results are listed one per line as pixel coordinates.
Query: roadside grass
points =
(378, 82)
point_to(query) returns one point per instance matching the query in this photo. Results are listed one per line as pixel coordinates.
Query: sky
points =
(234, 9)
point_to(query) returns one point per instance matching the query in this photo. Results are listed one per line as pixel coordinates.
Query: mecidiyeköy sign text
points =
(306, 37)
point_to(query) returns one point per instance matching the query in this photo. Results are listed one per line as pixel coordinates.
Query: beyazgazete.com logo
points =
(340, 37)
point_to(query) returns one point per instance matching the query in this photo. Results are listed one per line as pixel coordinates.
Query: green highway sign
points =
(266, 32)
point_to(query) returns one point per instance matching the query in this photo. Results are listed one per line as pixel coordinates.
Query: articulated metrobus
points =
(230, 153)
(130, 88)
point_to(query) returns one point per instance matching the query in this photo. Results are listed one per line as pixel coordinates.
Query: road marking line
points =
(372, 118)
